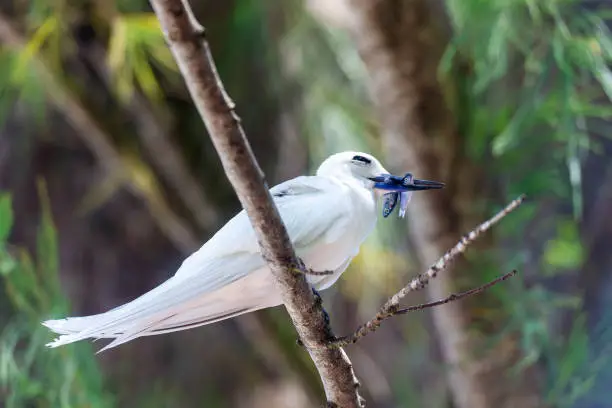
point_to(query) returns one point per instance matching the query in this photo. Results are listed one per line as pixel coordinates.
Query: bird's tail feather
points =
(169, 308)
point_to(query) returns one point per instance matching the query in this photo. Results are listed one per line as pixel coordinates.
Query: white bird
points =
(327, 216)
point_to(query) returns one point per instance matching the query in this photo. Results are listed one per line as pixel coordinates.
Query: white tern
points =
(327, 216)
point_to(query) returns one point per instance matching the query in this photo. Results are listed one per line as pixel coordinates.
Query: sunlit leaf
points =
(32, 48)
(565, 251)
(145, 77)
(117, 44)
(136, 44)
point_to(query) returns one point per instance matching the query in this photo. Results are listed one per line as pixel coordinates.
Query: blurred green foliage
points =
(538, 74)
(30, 374)
(564, 252)
(524, 78)
(137, 46)
(538, 79)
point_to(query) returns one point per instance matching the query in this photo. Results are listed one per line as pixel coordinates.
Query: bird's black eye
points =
(362, 159)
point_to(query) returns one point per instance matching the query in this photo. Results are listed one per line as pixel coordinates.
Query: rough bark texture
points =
(191, 51)
(399, 45)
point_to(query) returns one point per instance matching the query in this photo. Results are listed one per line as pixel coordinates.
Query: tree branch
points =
(190, 49)
(391, 307)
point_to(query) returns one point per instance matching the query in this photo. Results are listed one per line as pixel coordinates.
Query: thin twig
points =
(373, 324)
(422, 280)
(457, 296)
(186, 39)
(391, 307)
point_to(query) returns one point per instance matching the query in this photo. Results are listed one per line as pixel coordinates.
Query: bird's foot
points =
(318, 273)
(327, 327)
(319, 303)
(301, 268)
(317, 296)
(327, 321)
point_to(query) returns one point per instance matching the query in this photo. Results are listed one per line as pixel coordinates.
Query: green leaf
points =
(508, 138)
(47, 238)
(33, 47)
(7, 264)
(604, 76)
(136, 43)
(565, 251)
(6, 217)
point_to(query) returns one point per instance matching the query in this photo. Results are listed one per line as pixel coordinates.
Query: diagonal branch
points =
(391, 307)
(191, 51)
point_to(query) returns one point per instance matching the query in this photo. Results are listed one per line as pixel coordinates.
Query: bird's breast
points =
(342, 240)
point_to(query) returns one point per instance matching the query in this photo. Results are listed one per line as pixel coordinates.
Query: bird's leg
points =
(317, 296)
(319, 302)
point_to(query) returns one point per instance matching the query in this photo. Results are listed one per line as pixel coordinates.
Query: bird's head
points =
(367, 169)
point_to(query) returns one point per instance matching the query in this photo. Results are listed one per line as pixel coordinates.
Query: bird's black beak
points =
(389, 182)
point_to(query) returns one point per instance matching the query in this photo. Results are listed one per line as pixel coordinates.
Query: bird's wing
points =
(312, 208)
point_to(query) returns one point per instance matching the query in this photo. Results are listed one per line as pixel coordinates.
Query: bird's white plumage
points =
(327, 217)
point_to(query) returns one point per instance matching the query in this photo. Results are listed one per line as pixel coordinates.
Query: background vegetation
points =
(109, 180)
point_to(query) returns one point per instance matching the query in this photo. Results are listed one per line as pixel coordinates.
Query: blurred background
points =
(108, 180)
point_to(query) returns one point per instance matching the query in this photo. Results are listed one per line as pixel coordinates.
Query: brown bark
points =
(190, 49)
(400, 46)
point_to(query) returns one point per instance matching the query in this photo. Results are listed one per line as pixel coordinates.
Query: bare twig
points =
(374, 324)
(457, 296)
(421, 281)
(391, 307)
(191, 51)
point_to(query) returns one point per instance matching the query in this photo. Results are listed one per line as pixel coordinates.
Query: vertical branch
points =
(190, 49)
